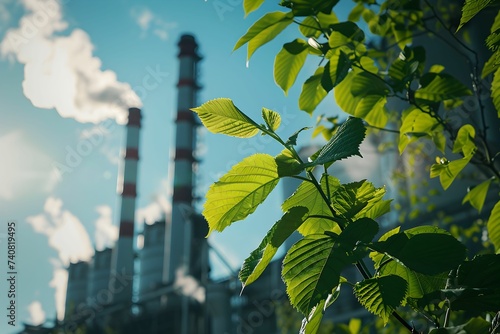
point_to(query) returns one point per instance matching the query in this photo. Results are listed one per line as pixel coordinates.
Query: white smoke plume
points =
(188, 285)
(68, 237)
(106, 233)
(37, 314)
(61, 72)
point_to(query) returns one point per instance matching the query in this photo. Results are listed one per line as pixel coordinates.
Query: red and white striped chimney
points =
(178, 235)
(123, 253)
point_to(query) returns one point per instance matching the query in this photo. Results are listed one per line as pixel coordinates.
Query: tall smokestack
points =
(123, 253)
(178, 237)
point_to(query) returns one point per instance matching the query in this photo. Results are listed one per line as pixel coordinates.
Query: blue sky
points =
(111, 51)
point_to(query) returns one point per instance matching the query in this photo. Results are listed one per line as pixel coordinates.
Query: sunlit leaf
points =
(222, 116)
(335, 70)
(381, 295)
(360, 199)
(289, 62)
(272, 118)
(437, 87)
(464, 140)
(308, 196)
(312, 267)
(371, 108)
(449, 170)
(287, 164)
(494, 226)
(251, 5)
(312, 92)
(495, 91)
(238, 193)
(258, 260)
(416, 124)
(471, 8)
(344, 34)
(418, 284)
(310, 28)
(264, 30)
(477, 195)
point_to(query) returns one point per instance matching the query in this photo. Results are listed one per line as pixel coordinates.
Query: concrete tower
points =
(123, 253)
(179, 232)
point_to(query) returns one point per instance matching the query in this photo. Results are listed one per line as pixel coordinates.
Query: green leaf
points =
(222, 116)
(272, 118)
(345, 143)
(473, 326)
(312, 324)
(335, 70)
(287, 164)
(408, 65)
(381, 295)
(312, 92)
(309, 7)
(251, 5)
(494, 227)
(449, 170)
(465, 140)
(292, 140)
(371, 108)
(483, 271)
(437, 87)
(238, 193)
(308, 196)
(416, 124)
(289, 62)
(477, 195)
(309, 27)
(495, 91)
(424, 253)
(258, 260)
(312, 267)
(367, 83)
(360, 199)
(418, 284)
(471, 8)
(345, 34)
(264, 30)
(473, 299)
(491, 65)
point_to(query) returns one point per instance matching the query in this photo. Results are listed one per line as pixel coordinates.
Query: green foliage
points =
(238, 193)
(377, 83)
(381, 295)
(222, 116)
(289, 62)
(263, 31)
(471, 8)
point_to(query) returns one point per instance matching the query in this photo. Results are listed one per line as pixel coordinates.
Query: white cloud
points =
(106, 233)
(29, 170)
(150, 22)
(37, 314)
(61, 71)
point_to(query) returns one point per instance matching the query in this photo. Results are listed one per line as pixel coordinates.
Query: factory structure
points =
(165, 287)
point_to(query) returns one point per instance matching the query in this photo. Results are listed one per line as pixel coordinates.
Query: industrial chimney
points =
(179, 233)
(123, 253)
